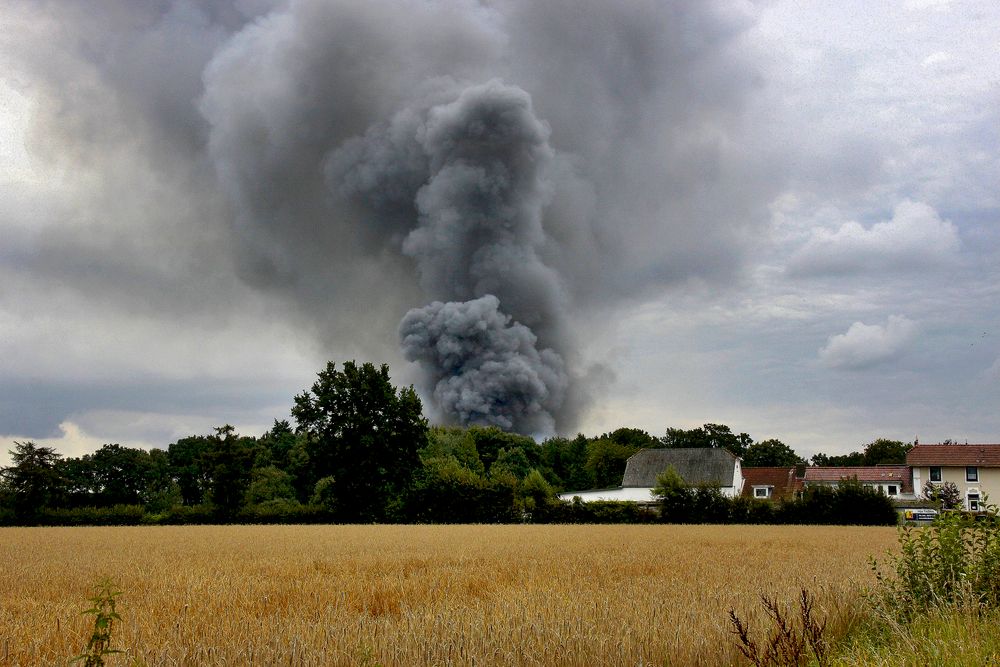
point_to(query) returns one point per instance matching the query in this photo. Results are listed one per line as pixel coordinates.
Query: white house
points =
(974, 469)
(697, 467)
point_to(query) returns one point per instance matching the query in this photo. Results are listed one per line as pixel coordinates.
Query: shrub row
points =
(848, 504)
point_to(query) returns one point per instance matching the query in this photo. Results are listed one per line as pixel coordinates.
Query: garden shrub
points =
(953, 562)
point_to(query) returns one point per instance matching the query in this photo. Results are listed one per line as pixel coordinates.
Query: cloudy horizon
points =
(779, 216)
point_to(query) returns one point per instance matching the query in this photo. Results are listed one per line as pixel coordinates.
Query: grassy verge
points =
(945, 638)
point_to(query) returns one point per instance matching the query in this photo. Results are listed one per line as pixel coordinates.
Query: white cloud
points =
(72, 441)
(916, 237)
(867, 345)
(936, 58)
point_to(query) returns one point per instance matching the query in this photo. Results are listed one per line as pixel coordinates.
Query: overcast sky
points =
(781, 216)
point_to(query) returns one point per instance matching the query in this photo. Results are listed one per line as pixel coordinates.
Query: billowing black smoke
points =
(485, 369)
(472, 173)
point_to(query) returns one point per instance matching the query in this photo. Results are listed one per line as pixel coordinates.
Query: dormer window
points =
(762, 492)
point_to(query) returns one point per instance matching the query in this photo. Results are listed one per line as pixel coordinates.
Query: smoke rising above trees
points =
(357, 150)
(480, 164)
(349, 163)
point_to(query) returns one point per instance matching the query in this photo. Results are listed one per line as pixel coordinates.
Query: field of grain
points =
(417, 595)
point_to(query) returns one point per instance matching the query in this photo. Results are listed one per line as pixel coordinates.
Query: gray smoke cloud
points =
(472, 173)
(340, 163)
(485, 369)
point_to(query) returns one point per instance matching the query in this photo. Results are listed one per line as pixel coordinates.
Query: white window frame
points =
(765, 489)
(972, 496)
(892, 490)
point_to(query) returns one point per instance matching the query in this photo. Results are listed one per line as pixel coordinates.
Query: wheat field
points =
(418, 595)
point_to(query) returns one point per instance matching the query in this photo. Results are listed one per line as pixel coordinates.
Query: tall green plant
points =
(104, 611)
(953, 562)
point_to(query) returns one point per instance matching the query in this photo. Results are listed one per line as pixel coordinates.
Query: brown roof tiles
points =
(954, 455)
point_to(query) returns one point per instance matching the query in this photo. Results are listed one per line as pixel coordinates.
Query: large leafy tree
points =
(228, 464)
(606, 461)
(364, 433)
(770, 453)
(121, 474)
(877, 452)
(33, 480)
(708, 435)
(186, 459)
(886, 451)
(838, 460)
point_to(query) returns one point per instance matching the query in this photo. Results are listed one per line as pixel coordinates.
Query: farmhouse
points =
(894, 481)
(974, 469)
(696, 466)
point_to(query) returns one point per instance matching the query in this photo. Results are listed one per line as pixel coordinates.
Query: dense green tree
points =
(708, 435)
(269, 483)
(121, 475)
(78, 483)
(880, 451)
(491, 440)
(770, 453)
(606, 462)
(324, 494)
(535, 491)
(675, 497)
(276, 445)
(32, 480)
(162, 492)
(631, 437)
(186, 459)
(228, 464)
(564, 463)
(445, 491)
(444, 441)
(365, 433)
(838, 460)
(513, 461)
(884, 451)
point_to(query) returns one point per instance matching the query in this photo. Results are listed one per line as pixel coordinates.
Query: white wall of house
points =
(635, 493)
(987, 487)
(732, 491)
(738, 481)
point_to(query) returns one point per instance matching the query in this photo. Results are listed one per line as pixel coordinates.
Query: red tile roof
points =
(871, 474)
(954, 455)
(782, 479)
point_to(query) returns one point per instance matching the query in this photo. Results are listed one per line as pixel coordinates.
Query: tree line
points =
(360, 451)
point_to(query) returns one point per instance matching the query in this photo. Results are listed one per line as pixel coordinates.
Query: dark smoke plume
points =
(485, 369)
(331, 164)
(472, 173)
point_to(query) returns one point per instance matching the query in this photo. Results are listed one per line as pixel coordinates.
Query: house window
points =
(761, 492)
(935, 473)
(973, 502)
(893, 490)
(971, 474)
